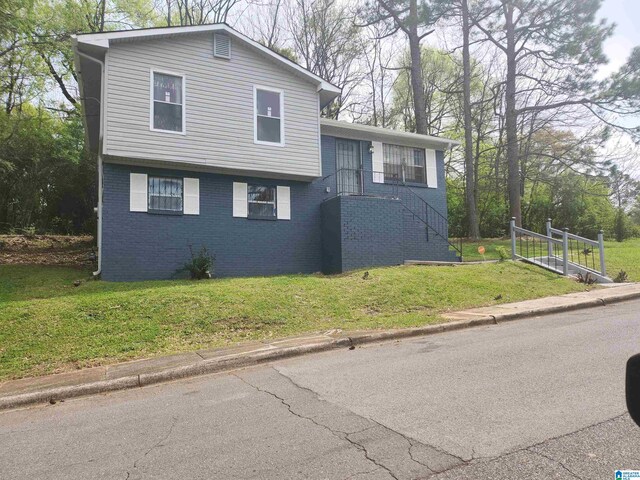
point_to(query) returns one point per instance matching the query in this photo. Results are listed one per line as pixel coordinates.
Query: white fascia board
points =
(103, 40)
(386, 135)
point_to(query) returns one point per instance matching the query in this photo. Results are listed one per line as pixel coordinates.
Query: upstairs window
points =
(167, 106)
(261, 201)
(165, 194)
(269, 116)
(405, 164)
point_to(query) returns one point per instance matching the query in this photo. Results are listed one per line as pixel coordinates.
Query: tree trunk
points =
(472, 212)
(511, 119)
(417, 82)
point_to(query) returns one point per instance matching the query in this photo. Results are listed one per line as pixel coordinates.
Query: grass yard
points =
(619, 256)
(48, 325)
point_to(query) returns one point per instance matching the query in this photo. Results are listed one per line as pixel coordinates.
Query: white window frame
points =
(274, 203)
(403, 171)
(162, 210)
(152, 72)
(255, 115)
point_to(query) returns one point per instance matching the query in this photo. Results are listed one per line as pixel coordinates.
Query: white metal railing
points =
(568, 253)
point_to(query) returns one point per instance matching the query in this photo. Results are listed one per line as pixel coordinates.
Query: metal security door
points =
(348, 168)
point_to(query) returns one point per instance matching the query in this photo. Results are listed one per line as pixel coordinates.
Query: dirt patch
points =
(78, 251)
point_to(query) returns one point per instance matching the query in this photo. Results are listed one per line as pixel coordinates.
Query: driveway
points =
(536, 399)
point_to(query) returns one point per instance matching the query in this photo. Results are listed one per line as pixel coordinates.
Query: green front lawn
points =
(48, 325)
(618, 256)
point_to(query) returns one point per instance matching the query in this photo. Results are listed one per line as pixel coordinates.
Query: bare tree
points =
(199, 12)
(326, 42)
(416, 21)
(371, 102)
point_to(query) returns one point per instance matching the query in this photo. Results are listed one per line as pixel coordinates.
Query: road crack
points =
(557, 462)
(411, 441)
(153, 447)
(337, 433)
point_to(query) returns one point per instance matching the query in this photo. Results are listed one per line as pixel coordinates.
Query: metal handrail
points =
(430, 211)
(574, 251)
(353, 181)
(350, 181)
(573, 236)
(537, 235)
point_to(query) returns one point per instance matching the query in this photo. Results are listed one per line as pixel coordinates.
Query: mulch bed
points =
(76, 251)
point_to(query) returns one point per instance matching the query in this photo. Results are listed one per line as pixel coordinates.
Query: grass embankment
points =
(618, 255)
(47, 325)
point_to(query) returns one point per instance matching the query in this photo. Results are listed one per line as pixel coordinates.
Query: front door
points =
(348, 168)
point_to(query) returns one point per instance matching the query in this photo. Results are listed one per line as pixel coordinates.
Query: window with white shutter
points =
(432, 169)
(377, 161)
(239, 199)
(404, 164)
(191, 196)
(165, 194)
(138, 192)
(283, 197)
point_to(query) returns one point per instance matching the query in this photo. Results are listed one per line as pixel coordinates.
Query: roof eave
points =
(102, 41)
(366, 132)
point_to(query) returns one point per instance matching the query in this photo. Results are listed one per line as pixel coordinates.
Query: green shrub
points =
(201, 264)
(621, 277)
(503, 253)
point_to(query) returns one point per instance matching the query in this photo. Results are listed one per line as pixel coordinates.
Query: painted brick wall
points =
(371, 232)
(417, 244)
(140, 246)
(331, 236)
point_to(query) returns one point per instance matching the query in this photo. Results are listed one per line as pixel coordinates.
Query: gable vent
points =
(221, 45)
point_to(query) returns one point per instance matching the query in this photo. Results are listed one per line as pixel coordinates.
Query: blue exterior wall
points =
(331, 235)
(418, 244)
(361, 232)
(140, 245)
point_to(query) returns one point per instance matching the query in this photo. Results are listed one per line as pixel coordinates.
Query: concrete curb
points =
(240, 360)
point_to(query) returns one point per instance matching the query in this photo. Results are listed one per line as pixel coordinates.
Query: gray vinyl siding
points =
(219, 107)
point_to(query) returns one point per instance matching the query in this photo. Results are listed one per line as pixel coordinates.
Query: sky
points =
(626, 15)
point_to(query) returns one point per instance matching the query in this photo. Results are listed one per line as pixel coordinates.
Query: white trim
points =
(386, 135)
(103, 40)
(283, 203)
(240, 200)
(319, 141)
(101, 139)
(191, 196)
(152, 72)
(431, 168)
(255, 116)
(138, 192)
(377, 162)
(103, 103)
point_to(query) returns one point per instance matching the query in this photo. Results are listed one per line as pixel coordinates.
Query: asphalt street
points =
(532, 399)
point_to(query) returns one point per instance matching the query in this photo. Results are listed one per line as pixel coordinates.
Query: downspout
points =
(100, 175)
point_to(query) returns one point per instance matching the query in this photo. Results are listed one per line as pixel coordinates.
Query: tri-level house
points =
(205, 137)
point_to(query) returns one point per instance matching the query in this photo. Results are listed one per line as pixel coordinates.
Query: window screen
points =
(167, 102)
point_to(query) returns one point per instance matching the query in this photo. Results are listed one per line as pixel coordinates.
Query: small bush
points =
(587, 279)
(29, 232)
(621, 277)
(201, 264)
(503, 253)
